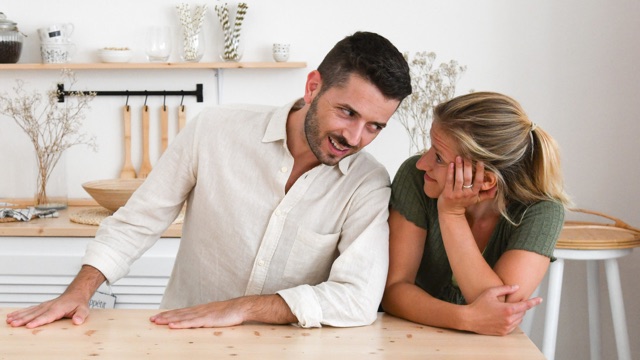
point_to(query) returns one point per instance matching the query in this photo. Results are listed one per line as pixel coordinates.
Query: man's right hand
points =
(73, 303)
(65, 306)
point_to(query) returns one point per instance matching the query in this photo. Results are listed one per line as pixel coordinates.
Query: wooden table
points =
(128, 334)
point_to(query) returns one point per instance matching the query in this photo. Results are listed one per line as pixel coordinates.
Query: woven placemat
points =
(95, 215)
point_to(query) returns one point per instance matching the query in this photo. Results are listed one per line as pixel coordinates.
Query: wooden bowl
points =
(112, 194)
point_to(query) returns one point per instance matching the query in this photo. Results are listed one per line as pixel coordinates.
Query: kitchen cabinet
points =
(39, 258)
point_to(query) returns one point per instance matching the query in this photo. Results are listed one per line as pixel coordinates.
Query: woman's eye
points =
(438, 158)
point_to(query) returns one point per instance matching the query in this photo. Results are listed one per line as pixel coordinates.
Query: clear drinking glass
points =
(158, 46)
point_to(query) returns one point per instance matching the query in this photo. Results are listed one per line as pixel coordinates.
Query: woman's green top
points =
(538, 228)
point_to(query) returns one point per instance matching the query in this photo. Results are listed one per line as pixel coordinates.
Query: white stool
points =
(592, 242)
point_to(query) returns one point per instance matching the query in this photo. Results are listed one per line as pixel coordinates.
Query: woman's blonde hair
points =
(493, 128)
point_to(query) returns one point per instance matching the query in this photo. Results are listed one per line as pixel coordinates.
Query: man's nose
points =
(353, 134)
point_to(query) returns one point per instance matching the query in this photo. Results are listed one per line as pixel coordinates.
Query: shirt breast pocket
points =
(311, 257)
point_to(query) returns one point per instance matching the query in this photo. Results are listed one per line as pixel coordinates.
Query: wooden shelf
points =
(178, 65)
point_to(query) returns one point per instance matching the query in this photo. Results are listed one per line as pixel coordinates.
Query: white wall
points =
(572, 64)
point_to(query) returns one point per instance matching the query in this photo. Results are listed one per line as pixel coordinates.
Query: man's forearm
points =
(86, 282)
(271, 309)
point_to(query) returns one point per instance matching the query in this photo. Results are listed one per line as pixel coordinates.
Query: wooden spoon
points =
(128, 171)
(164, 125)
(182, 117)
(145, 168)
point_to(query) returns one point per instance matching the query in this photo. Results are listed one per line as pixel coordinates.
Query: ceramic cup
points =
(57, 33)
(280, 52)
(53, 53)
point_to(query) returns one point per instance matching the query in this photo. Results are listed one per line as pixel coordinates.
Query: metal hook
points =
(164, 102)
(146, 96)
(127, 103)
(182, 91)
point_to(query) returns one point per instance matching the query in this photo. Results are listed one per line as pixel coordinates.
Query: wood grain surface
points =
(128, 334)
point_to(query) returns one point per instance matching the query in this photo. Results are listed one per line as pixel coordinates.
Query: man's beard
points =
(315, 140)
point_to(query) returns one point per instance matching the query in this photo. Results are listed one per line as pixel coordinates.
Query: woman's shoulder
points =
(546, 210)
(547, 207)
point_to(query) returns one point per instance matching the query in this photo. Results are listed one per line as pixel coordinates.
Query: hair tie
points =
(533, 127)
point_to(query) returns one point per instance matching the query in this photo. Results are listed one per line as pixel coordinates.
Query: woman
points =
(481, 209)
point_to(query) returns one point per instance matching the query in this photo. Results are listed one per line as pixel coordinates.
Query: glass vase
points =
(231, 50)
(192, 46)
(51, 182)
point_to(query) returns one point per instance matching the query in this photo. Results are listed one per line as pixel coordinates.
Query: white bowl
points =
(115, 55)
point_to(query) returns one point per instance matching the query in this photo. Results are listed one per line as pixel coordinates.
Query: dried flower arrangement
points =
(52, 127)
(231, 36)
(191, 29)
(431, 86)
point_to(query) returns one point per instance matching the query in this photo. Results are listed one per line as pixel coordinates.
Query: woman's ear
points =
(312, 87)
(490, 181)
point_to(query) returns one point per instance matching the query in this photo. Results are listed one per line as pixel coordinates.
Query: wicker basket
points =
(585, 235)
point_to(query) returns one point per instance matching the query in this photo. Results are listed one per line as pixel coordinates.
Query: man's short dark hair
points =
(372, 57)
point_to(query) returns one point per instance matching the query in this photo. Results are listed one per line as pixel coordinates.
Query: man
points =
(286, 221)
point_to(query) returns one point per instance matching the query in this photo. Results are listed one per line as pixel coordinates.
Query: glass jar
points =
(10, 41)
(231, 50)
(192, 45)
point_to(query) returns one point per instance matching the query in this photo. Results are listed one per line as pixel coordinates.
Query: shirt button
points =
(261, 262)
(284, 169)
(278, 212)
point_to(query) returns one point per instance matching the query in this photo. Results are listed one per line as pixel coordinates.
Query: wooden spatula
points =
(128, 171)
(145, 168)
(164, 126)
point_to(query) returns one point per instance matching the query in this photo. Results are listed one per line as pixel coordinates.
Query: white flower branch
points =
(431, 86)
(52, 127)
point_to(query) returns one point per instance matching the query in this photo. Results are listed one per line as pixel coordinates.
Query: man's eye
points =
(348, 112)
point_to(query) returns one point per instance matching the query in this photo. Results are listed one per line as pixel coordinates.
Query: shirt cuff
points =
(96, 256)
(304, 305)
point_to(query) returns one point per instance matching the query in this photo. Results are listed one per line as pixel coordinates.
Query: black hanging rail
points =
(198, 93)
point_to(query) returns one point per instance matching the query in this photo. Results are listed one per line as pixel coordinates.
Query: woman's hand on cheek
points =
(462, 189)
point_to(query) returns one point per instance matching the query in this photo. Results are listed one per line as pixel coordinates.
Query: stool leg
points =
(527, 321)
(617, 309)
(593, 297)
(554, 292)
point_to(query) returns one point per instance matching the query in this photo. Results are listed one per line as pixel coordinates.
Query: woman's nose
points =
(422, 163)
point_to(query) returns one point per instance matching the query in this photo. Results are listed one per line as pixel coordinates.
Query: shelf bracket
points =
(219, 85)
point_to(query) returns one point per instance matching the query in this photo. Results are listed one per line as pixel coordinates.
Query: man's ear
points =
(312, 87)
(490, 181)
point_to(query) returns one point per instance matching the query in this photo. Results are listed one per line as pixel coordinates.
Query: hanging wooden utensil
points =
(145, 168)
(164, 127)
(182, 117)
(128, 171)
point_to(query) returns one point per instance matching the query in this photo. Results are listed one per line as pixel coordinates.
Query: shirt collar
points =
(277, 131)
